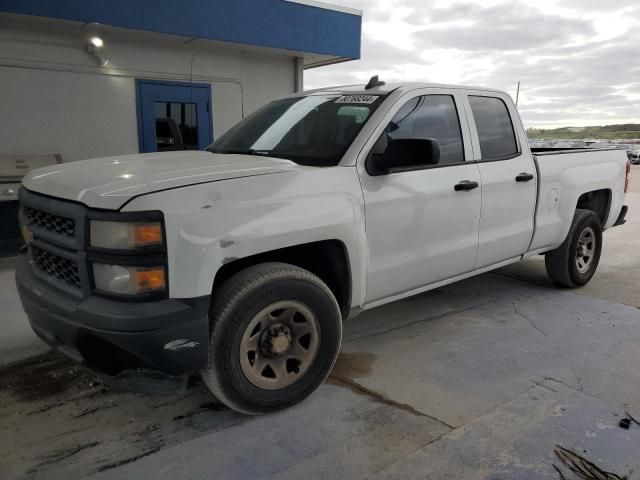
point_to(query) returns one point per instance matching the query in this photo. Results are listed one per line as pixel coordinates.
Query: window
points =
(176, 126)
(434, 117)
(495, 130)
(315, 130)
(173, 115)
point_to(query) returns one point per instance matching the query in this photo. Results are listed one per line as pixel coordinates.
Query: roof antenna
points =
(374, 82)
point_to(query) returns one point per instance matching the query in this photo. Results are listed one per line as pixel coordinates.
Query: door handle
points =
(465, 185)
(524, 177)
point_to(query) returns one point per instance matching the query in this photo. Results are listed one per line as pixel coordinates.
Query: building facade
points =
(86, 79)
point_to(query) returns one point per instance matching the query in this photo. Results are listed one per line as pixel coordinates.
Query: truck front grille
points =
(57, 267)
(57, 241)
(48, 221)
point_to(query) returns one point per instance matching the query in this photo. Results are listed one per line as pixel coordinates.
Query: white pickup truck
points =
(241, 262)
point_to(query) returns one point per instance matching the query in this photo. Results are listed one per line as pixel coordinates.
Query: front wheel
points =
(275, 335)
(574, 262)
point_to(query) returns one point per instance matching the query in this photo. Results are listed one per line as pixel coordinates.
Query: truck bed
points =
(554, 150)
(563, 175)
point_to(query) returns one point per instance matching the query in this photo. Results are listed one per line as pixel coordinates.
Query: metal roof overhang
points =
(321, 33)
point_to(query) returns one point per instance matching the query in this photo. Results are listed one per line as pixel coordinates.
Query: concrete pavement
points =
(618, 274)
(490, 374)
(480, 379)
(17, 340)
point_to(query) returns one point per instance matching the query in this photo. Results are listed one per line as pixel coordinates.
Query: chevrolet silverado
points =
(241, 262)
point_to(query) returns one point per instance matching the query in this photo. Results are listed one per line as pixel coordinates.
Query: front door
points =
(509, 180)
(421, 229)
(173, 116)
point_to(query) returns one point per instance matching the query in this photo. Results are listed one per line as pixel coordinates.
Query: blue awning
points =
(308, 27)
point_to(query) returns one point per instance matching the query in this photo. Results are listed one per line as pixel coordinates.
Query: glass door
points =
(173, 116)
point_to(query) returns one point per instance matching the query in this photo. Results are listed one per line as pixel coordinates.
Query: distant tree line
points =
(623, 127)
(609, 132)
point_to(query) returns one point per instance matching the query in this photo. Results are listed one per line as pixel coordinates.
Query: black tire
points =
(562, 263)
(236, 304)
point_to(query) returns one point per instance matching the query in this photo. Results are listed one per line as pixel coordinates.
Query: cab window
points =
(431, 117)
(495, 129)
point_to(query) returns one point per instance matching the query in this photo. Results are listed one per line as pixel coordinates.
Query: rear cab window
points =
(494, 126)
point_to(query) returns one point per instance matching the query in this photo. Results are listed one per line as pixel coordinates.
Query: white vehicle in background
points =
(634, 157)
(241, 262)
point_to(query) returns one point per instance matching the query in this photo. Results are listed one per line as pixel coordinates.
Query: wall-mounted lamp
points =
(96, 42)
(95, 47)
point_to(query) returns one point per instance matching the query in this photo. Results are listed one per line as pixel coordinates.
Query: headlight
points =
(126, 280)
(125, 235)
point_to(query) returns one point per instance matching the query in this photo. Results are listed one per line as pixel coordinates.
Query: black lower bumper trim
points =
(109, 336)
(621, 218)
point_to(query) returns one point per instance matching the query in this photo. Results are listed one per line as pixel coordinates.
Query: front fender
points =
(212, 224)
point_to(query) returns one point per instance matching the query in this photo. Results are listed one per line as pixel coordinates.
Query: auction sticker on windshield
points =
(367, 99)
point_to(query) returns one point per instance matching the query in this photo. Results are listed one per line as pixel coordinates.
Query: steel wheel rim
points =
(585, 251)
(274, 362)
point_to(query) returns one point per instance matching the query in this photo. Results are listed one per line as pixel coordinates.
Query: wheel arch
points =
(598, 201)
(328, 259)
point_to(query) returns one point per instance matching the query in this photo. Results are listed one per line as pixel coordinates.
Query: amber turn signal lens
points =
(147, 234)
(129, 280)
(150, 279)
(111, 235)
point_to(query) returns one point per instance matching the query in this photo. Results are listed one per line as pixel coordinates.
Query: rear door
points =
(509, 179)
(420, 228)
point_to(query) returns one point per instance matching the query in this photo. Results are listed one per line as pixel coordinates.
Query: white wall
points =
(54, 98)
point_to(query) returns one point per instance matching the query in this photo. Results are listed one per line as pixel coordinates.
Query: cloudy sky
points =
(578, 61)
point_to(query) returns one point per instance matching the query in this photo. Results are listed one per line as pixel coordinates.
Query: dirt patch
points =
(350, 366)
(214, 406)
(42, 377)
(58, 421)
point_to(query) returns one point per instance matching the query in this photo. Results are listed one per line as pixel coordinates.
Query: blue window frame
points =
(173, 115)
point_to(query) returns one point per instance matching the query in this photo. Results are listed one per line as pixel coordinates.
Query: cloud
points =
(576, 61)
(377, 57)
(512, 26)
(598, 5)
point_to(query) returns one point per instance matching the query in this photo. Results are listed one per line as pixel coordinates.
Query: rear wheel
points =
(574, 262)
(275, 335)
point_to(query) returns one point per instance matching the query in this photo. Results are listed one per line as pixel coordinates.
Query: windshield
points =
(316, 130)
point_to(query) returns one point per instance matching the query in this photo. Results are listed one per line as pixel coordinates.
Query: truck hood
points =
(109, 182)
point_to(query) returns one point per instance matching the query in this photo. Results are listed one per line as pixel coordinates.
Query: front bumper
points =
(111, 336)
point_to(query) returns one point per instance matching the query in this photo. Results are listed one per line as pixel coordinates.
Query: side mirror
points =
(390, 155)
